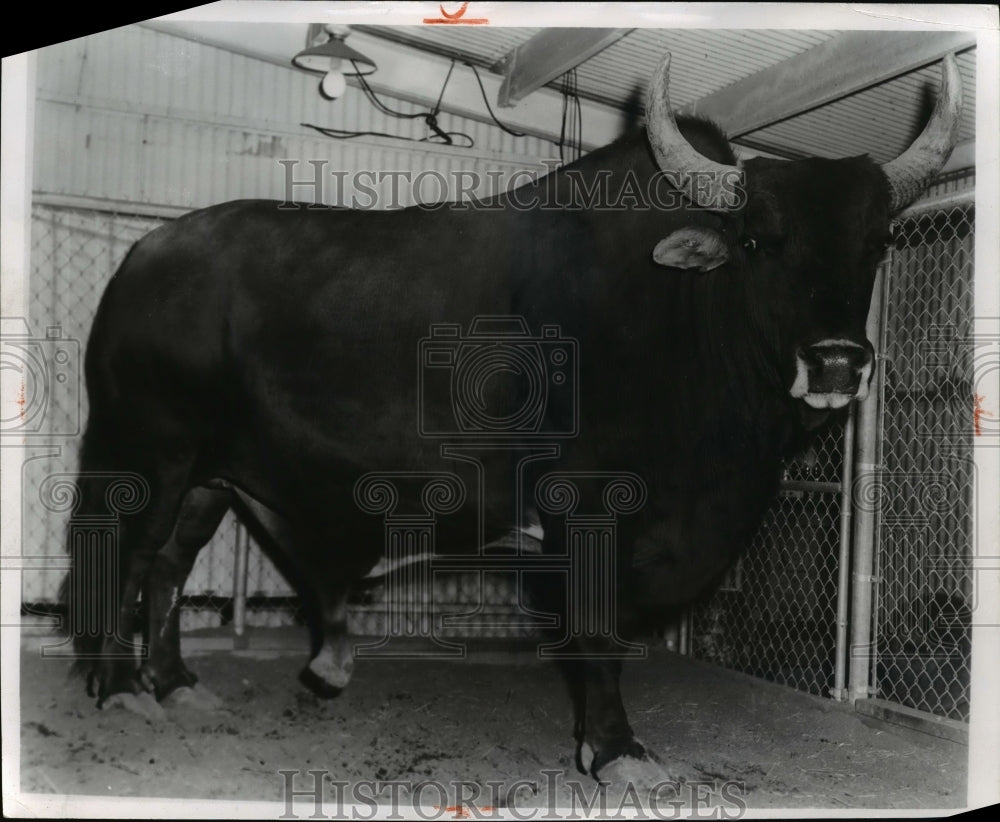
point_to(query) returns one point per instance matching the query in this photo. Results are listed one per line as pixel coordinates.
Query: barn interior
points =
(851, 613)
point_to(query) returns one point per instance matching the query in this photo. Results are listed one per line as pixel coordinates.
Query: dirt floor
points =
(495, 716)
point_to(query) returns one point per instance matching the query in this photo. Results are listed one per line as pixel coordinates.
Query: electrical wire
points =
(571, 106)
(571, 128)
(429, 117)
(373, 98)
(486, 100)
(344, 134)
(570, 135)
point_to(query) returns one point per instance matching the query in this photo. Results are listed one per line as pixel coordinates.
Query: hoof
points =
(162, 685)
(593, 762)
(192, 696)
(647, 780)
(637, 780)
(675, 770)
(109, 677)
(630, 770)
(319, 686)
(144, 704)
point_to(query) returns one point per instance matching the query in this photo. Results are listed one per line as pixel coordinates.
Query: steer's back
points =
(287, 340)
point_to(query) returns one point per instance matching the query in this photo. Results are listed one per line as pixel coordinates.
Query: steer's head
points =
(807, 236)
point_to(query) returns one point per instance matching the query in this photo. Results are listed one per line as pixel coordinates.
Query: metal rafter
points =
(844, 65)
(548, 55)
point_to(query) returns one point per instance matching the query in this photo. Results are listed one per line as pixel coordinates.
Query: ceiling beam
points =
(547, 55)
(841, 66)
(963, 156)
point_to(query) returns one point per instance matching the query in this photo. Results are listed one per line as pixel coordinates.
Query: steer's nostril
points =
(861, 358)
(811, 356)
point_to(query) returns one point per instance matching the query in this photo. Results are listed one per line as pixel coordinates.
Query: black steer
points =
(266, 359)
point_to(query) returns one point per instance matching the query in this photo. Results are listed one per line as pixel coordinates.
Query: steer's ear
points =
(693, 247)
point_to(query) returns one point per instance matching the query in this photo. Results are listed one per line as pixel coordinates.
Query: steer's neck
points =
(680, 347)
(693, 333)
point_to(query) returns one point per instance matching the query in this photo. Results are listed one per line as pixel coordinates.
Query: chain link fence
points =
(74, 253)
(923, 596)
(774, 615)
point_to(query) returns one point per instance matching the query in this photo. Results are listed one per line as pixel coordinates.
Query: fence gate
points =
(775, 614)
(923, 584)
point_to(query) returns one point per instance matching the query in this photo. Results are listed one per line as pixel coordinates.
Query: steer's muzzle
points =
(830, 373)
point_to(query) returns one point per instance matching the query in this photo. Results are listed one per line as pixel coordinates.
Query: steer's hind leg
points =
(331, 666)
(140, 538)
(324, 602)
(200, 513)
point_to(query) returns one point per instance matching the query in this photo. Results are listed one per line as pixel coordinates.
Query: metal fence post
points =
(866, 519)
(839, 690)
(240, 584)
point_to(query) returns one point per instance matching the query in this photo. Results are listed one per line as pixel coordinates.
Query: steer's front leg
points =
(602, 729)
(607, 748)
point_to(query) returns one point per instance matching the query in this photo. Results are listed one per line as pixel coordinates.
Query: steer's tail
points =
(91, 590)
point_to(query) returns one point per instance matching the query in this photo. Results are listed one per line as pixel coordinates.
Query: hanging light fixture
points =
(332, 58)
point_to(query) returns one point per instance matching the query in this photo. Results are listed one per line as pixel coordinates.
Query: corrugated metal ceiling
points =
(481, 45)
(707, 60)
(880, 121)
(703, 61)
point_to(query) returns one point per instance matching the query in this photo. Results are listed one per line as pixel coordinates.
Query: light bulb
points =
(333, 85)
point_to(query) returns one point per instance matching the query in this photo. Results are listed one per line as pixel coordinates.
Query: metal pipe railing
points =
(941, 202)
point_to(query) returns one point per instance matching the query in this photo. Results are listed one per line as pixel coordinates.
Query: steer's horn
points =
(708, 183)
(912, 170)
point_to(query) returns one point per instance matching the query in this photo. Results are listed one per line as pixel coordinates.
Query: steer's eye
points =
(881, 243)
(749, 243)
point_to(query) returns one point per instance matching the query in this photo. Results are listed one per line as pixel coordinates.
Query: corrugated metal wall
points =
(136, 115)
(134, 121)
